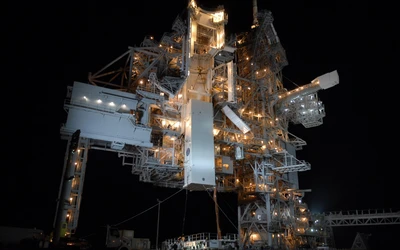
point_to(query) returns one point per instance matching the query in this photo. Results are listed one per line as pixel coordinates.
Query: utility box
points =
(127, 233)
(223, 165)
(141, 244)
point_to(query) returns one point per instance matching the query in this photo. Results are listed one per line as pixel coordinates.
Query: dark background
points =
(50, 45)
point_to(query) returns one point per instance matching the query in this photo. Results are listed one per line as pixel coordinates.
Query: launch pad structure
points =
(199, 111)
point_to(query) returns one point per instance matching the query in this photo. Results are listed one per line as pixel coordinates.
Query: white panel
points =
(231, 86)
(293, 177)
(229, 49)
(235, 119)
(328, 80)
(108, 115)
(199, 146)
(88, 95)
(205, 20)
(107, 127)
(214, 244)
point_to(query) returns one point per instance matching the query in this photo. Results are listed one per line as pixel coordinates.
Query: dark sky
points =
(50, 45)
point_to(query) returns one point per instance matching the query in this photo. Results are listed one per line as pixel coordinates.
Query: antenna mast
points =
(255, 13)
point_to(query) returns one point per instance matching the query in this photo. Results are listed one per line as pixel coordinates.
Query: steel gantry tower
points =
(199, 111)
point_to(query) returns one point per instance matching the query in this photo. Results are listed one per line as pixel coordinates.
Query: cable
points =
(291, 81)
(184, 214)
(147, 209)
(227, 203)
(87, 236)
(117, 224)
(221, 209)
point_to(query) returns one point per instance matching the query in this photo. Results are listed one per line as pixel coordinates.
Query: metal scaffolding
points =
(151, 102)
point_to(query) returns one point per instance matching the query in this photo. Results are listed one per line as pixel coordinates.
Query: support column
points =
(269, 218)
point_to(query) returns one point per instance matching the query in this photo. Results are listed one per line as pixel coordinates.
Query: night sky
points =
(352, 161)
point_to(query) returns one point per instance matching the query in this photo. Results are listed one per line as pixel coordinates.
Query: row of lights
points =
(99, 101)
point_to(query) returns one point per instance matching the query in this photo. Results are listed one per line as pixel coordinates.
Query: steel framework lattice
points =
(150, 107)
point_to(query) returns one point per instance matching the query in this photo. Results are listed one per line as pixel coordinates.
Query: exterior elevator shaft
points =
(63, 200)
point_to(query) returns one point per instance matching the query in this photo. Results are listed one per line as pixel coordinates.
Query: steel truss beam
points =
(362, 217)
